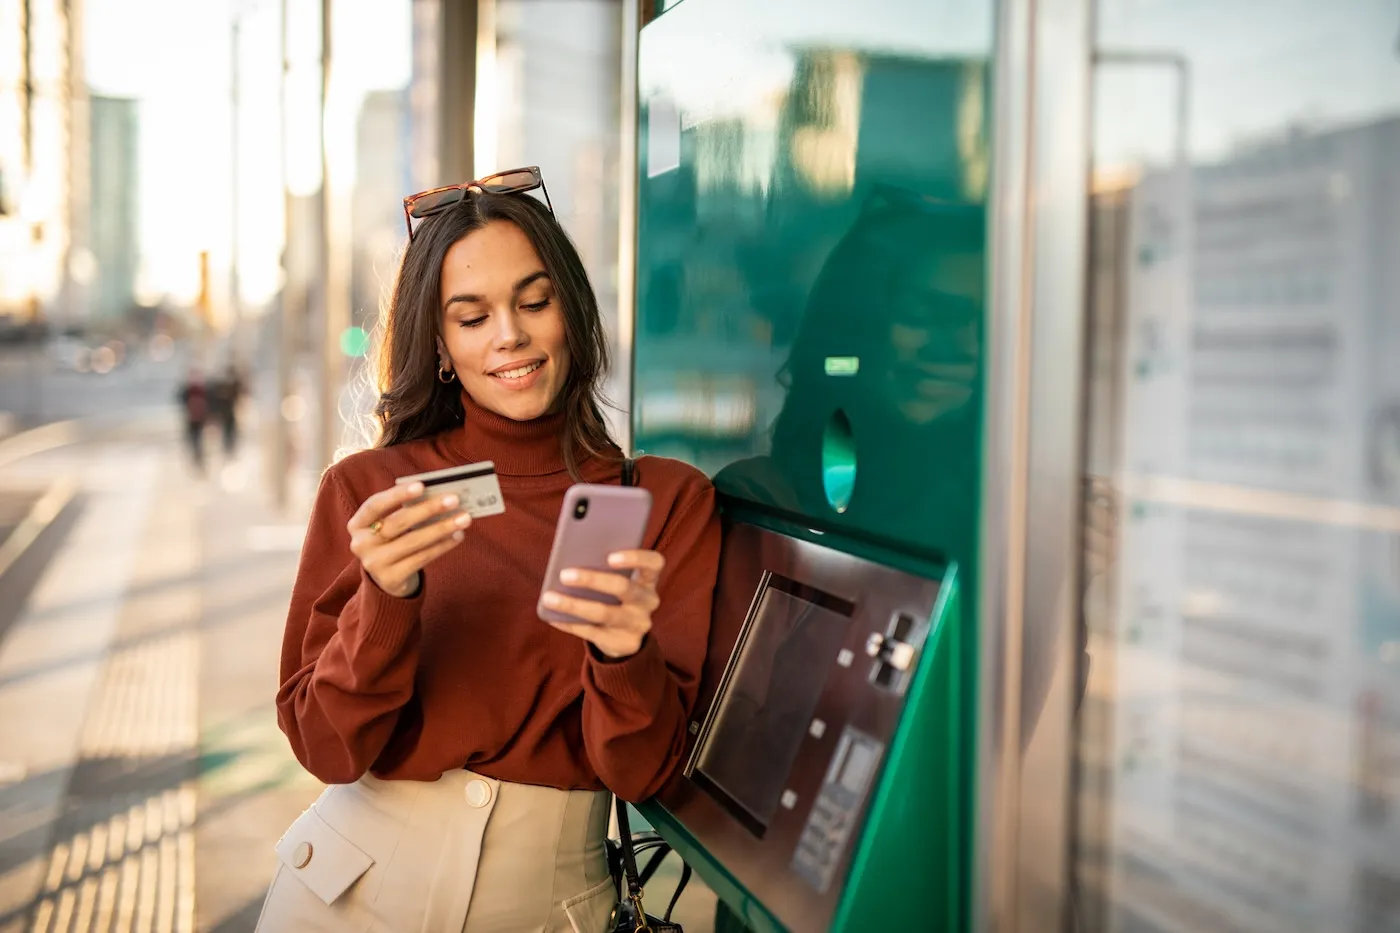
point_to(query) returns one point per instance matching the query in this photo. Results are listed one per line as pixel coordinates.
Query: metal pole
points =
(27, 86)
(286, 331)
(235, 295)
(627, 218)
(325, 450)
(335, 298)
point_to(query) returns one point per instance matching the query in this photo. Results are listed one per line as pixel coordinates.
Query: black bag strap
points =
(629, 854)
(629, 472)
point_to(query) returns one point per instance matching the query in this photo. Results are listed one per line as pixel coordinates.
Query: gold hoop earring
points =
(445, 375)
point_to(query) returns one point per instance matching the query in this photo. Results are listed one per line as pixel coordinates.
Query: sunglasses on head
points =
(436, 200)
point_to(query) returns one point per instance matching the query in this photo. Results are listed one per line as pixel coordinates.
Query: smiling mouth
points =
(519, 372)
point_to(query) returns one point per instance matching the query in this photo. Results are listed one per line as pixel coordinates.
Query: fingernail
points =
(617, 560)
(457, 536)
(415, 489)
(463, 520)
(449, 501)
(551, 599)
(569, 576)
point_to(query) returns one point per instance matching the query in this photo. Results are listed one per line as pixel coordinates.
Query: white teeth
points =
(521, 372)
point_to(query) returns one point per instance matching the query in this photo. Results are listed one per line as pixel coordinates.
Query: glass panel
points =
(811, 239)
(767, 705)
(1240, 759)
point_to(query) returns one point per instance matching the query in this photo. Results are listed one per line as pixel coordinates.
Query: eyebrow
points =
(517, 289)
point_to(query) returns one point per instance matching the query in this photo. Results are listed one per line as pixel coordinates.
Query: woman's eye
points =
(473, 322)
(537, 306)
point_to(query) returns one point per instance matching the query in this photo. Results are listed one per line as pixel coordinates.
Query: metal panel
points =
(1029, 582)
(1002, 545)
(1058, 188)
(761, 852)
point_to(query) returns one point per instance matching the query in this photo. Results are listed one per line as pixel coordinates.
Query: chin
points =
(527, 408)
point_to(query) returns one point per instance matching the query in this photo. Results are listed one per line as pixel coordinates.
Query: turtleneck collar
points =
(517, 448)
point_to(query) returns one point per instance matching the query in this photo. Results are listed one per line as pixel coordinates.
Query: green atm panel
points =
(811, 271)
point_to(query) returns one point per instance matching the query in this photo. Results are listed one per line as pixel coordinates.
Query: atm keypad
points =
(832, 819)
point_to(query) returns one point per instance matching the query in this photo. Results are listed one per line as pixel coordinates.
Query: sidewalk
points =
(137, 733)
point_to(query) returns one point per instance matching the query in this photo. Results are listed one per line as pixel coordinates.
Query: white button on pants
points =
(478, 793)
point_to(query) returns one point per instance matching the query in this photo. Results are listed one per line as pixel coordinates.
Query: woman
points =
(471, 746)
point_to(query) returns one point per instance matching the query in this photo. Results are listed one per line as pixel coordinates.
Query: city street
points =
(35, 388)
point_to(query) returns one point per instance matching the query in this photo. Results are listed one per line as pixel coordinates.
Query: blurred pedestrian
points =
(225, 394)
(194, 399)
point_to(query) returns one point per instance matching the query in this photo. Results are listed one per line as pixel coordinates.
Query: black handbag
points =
(629, 916)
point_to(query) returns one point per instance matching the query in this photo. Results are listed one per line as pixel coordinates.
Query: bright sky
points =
(181, 73)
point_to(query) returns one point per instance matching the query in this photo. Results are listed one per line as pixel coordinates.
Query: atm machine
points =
(811, 266)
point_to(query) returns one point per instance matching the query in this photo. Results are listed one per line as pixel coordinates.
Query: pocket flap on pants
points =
(589, 912)
(323, 859)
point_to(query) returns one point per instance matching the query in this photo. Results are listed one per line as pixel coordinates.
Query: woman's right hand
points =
(389, 546)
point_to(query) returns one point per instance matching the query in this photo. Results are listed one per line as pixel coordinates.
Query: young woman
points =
(470, 746)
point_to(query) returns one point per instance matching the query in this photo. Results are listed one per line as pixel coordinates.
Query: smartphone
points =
(594, 522)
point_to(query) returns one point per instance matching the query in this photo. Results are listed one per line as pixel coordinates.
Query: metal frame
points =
(627, 214)
(1029, 589)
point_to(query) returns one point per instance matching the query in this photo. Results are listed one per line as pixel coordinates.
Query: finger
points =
(590, 610)
(646, 566)
(377, 506)
(581, 629)
(422, 558)
(420, 539)
(403, 521)
(600, 581)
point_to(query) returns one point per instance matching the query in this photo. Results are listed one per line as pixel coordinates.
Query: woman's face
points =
(502, 324)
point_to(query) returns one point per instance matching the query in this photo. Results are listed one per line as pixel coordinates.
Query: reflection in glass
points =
(1240, 754)
(824, 199)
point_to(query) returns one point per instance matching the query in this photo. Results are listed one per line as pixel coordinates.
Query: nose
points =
(509, 334)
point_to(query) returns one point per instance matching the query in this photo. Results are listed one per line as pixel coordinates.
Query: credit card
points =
(474, 484)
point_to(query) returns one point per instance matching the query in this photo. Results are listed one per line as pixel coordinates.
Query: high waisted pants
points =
(463, 853)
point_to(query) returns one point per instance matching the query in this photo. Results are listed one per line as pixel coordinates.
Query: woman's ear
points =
(443, 358)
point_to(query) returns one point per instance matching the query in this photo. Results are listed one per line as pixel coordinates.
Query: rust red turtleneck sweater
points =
(465, 674)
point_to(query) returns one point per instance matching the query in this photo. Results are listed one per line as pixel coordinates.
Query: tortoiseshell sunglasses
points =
(435, 201)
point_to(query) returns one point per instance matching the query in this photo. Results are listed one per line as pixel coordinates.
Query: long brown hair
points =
(414, 403)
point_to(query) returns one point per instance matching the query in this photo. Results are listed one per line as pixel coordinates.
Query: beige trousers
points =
(462, 853)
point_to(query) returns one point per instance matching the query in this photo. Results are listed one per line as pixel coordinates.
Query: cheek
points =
(462, 343)
(555, 338)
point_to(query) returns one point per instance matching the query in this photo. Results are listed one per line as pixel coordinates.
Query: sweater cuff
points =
(637, 681)
(388, 620)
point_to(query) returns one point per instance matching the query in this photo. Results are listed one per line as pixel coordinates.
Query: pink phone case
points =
(613, 518)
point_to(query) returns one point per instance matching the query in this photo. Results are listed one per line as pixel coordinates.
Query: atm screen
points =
(766, 706)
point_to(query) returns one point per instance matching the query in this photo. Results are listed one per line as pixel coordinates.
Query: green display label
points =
(842, 365)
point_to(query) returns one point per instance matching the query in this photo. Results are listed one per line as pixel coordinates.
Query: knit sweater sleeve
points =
(349, 651)
(636, 712)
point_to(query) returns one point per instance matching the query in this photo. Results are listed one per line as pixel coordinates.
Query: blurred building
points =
(500, 84)
(556, 105)
(40, 93)
(113, 211)
(1262, 294)
(382, 179)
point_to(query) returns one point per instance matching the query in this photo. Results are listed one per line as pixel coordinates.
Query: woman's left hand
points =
(616, 631)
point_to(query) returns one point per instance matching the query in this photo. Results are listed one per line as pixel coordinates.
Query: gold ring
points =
(374, 528)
